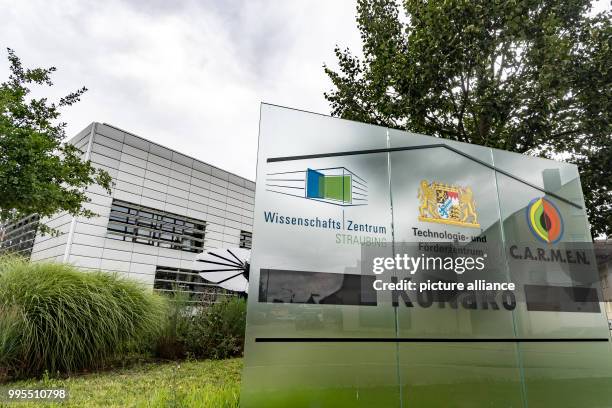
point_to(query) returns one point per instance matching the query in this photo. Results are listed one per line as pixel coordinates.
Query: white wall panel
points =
(198, 215)
(51, 252)
(136, 142)
(120, 245)
(180, 184)
(231, 240)
(100, 221)
(154, 203)
(111, 265)
(185, 170)
(196, 206)
(85, 250)
(154, 185)
(100, 159)
(135, 152)
(142, 269)
(144, 278)
(130, 178)
(84, 261)
(220, 174)
(200, 175)
(200, 183)
(196, 198)
(110, 132)
(169, 262)
(133, 160)
(161, 151)
(125, 196)
(135, 170)
(176, 201)
(157, 177)
(172, 208)
(183, 160)
(202, 167)
(233, 224)
(146, 249)
(213, 243)
(117, 255)
(83, 228)
(86, 239)
(108, 142)
(218, 182)
(214, 235)
(125, 186)
(177, 175)
(111, 171)
(144, 258)
(216, 196)
(186, 264)
(161, 161)
(106, 151)
(96, 189)
(190, 256)
(216, 211)
(177, 192)
(169, 253)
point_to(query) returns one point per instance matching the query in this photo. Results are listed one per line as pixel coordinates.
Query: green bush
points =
(168, 344)
(57, 318)
(203, 331)
(11, 326)
(216, 331)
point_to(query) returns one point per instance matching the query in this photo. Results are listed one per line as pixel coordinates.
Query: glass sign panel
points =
(336, 316)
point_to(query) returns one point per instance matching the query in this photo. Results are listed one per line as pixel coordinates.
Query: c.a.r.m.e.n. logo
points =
(337, 185)
(544, 220)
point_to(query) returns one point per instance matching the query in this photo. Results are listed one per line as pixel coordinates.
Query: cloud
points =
(190, 76)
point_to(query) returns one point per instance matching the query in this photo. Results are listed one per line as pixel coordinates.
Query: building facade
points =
(164, 208)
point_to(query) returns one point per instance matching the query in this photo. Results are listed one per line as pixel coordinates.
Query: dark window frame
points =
(149, 226)
(246, 239)
(189, 282)
(18, 237)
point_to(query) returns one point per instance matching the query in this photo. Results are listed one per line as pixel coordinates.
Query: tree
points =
(527, 76)
(38, 173)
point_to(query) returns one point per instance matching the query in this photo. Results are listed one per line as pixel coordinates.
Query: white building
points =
(164, 208)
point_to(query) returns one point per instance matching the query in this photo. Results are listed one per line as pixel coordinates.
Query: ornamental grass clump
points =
(60, 319)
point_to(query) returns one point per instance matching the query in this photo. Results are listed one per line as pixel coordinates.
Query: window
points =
(148, 226)
(18, 237)
(246, 239)
(189, 282)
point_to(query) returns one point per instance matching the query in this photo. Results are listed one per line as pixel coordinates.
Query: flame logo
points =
(545, 220)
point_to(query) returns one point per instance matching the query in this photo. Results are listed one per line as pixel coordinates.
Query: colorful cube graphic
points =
(336, 187)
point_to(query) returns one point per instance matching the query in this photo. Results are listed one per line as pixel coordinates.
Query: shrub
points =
(11, 326)
(168, 345)
(63, 319)
(202, 331)
(216, 331)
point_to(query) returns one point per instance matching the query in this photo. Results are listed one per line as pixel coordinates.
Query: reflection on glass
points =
(333, 194)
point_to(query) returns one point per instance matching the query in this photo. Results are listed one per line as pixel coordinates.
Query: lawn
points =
(209, 383)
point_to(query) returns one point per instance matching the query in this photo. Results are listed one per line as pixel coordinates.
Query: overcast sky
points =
(189, 75)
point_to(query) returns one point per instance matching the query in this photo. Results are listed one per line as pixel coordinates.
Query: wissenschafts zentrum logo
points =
(544, 220)
(335, 185)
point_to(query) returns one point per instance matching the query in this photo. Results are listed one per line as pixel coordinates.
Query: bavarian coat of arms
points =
(447, 204)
